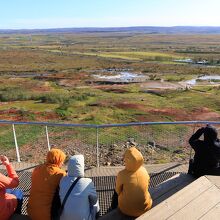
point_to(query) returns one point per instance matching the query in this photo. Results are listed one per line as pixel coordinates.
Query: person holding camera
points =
(207, 152)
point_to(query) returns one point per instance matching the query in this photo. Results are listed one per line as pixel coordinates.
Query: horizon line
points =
(106, 27)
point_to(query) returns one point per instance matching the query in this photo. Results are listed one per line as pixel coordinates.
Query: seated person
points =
(132, 187)
(45, 180)
(82, 202)
(207, 152)
(10, 200)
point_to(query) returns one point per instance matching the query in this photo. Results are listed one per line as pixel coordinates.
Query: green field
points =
(50, 77)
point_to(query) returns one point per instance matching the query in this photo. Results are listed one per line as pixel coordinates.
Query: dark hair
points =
(210, 133)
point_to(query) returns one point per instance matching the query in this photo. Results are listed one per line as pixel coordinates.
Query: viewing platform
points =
(175, 194)
(104, 180)
(197, 200)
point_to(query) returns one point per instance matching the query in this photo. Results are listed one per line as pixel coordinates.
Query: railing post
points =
(48, 140)
(16, 144)
(97, 146)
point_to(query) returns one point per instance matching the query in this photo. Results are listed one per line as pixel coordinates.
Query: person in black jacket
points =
(207, 152)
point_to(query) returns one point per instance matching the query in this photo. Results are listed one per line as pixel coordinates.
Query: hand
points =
(202, 129)
(92, 200)
(4, 160)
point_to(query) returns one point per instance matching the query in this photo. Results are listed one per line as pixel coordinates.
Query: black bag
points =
(56, 205)
(55, 214)
(114, 203)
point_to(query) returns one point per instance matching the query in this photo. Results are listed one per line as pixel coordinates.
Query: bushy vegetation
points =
(51, 78)
(14, 94)
(59, 98)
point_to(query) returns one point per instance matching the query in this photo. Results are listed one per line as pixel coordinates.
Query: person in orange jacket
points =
(8, 198)
(132, 185)
(45, 180)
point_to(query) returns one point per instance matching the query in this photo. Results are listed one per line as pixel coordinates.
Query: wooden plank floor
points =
(109, 170)
(152, 168)
(21, 166)
(169, 187)
(198, 200)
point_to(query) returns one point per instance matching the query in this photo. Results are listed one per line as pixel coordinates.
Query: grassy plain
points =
(52, 71)
(49, 77)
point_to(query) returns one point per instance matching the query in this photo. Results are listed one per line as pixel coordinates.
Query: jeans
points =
(19, 195)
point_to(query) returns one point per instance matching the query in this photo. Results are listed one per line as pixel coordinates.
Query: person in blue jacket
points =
(82, 203)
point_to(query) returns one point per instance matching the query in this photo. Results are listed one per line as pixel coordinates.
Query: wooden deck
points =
(175, 194)
(103, 178)
(21, 166)
(198, 200)
(152, 168)
(109, 170)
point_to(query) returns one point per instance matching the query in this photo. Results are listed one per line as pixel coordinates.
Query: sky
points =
(35, 14)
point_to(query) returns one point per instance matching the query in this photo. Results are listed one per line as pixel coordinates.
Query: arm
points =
(12, 180)
(148, 180)
(93, 201)
(119, 185)
(92, 194)
(217, 149)
(194, 140)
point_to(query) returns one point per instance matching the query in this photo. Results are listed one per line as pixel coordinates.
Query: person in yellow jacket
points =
(45, 180)
(132, 185)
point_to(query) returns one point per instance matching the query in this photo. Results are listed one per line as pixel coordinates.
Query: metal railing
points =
(159, 141)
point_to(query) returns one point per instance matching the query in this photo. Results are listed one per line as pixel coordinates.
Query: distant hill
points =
(138, 29)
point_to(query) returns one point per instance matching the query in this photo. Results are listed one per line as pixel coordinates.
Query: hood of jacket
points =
(210, 133)
(76, 166)
(55, 157)
(133, 159)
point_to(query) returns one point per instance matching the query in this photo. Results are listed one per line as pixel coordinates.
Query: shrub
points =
(14, 94)
(55, 98)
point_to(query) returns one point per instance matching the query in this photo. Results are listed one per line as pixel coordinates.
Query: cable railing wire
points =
(101, 130)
